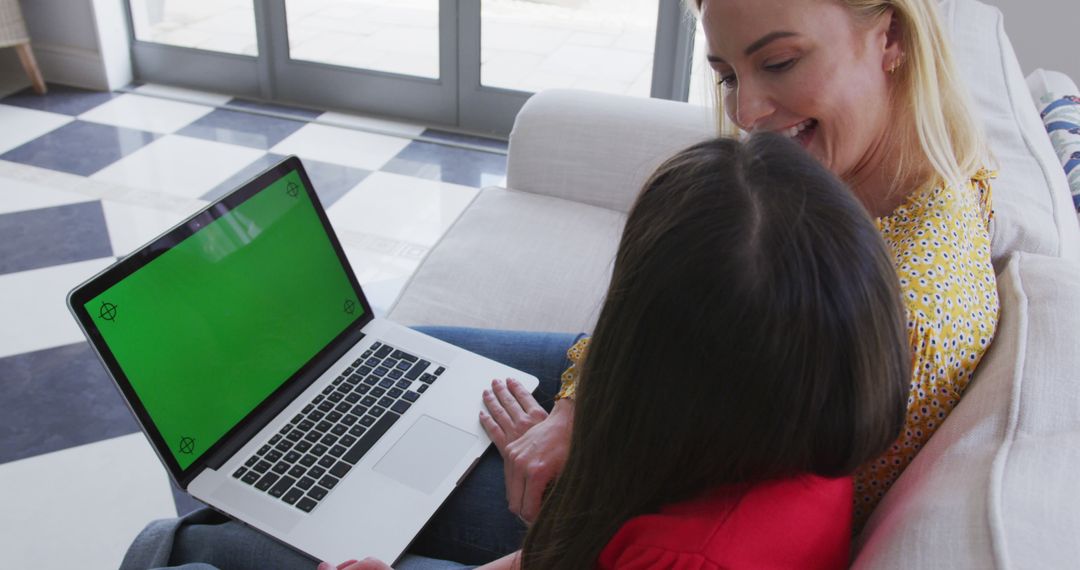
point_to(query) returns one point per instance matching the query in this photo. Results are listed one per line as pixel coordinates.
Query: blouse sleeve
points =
(981, 182)
(637, 557)
(576, 354)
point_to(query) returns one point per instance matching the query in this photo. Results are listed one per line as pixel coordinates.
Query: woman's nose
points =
(751, 107)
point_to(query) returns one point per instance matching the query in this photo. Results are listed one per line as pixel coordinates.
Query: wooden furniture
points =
(13, 34)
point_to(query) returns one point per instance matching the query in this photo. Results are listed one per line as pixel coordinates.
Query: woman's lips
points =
(806, 132)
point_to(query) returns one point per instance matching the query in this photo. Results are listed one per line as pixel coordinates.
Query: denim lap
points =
(474, 525)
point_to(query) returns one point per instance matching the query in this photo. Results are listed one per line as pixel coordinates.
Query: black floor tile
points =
(235, 127)
(59, 235)
(58, 398)
(80, 147)
(447, 136)
(59, 99)
(299, 112)
(448, 164)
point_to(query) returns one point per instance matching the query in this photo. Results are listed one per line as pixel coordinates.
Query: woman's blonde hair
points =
(929, 97)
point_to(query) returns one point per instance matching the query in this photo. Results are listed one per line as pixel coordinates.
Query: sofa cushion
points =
(996, 486)
(516, 260)
(595, 148)
(1058, 100)
(1031, 196)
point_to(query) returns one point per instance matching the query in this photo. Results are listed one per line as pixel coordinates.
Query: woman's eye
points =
(727, 80)
(782, 66)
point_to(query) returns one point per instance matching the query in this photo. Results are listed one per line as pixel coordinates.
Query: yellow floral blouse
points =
(940, 241)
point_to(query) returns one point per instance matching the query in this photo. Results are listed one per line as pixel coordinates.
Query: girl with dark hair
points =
(755, 289)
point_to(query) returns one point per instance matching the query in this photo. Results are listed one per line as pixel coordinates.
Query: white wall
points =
(1044, 33)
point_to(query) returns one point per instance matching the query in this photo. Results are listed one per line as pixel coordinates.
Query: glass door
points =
(386, 57)
(205, 44)
(465, 64)
(511, 49)
(383, 57)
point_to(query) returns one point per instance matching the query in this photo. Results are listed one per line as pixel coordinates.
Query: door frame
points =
(456, 100)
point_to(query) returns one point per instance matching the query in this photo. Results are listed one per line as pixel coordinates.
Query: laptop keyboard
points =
(303, 462)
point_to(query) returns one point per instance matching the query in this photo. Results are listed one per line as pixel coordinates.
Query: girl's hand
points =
(534, 446)
(511, 411)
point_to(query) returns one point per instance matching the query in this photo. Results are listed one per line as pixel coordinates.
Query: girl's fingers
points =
(498, 412)
(508, 401)
(496, 433)
(525, 399)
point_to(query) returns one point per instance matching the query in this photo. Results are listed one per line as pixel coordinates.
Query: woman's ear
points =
(890, 30)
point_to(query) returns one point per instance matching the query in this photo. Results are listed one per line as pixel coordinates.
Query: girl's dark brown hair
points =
(753, 330)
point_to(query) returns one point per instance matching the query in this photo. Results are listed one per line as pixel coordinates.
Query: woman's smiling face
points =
(808, 69)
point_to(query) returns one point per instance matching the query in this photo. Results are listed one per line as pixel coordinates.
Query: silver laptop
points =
(244, 344)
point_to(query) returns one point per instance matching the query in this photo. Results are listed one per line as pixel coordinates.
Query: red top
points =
(803, 522)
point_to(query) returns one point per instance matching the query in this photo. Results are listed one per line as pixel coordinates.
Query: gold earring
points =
(896, 64)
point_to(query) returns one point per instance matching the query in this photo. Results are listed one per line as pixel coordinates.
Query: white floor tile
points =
(179, 165)
(401, 207)
(189, 95)
(18, 195)
(131, 226)
(81, 507)
(36, 315)
(44, 177)
(333, 118)
(382, 294)
(64, 183)
(341, 146)
(372, 266)
(24, 125)
(146, 113)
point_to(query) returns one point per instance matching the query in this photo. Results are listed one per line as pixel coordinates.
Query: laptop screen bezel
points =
(226, 445)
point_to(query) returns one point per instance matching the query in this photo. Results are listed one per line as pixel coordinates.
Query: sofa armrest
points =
(595, 148)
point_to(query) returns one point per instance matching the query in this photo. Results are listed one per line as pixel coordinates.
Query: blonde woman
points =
(869, 88)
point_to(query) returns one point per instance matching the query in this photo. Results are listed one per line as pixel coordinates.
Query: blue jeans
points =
(207, 540)
(473, 526)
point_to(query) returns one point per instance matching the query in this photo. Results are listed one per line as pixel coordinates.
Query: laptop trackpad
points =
(424, 456)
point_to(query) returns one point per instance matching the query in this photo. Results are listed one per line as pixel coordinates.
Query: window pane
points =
(396, 36)
(702, 80)
(216, 25)
(600, 45)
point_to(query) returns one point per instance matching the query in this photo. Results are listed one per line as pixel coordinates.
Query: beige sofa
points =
(998, 485)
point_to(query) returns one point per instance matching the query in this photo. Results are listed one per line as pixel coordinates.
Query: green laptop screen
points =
(209, 329)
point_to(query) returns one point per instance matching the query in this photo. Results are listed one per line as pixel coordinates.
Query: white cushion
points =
(996, 487)
(1049, 88)
(595, 148)
(1049, 83)
(516, 260)
(1031, 196)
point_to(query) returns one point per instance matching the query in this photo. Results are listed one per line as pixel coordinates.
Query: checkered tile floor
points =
(85, 178)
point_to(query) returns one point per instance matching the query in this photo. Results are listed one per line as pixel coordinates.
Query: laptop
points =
(247, 350)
